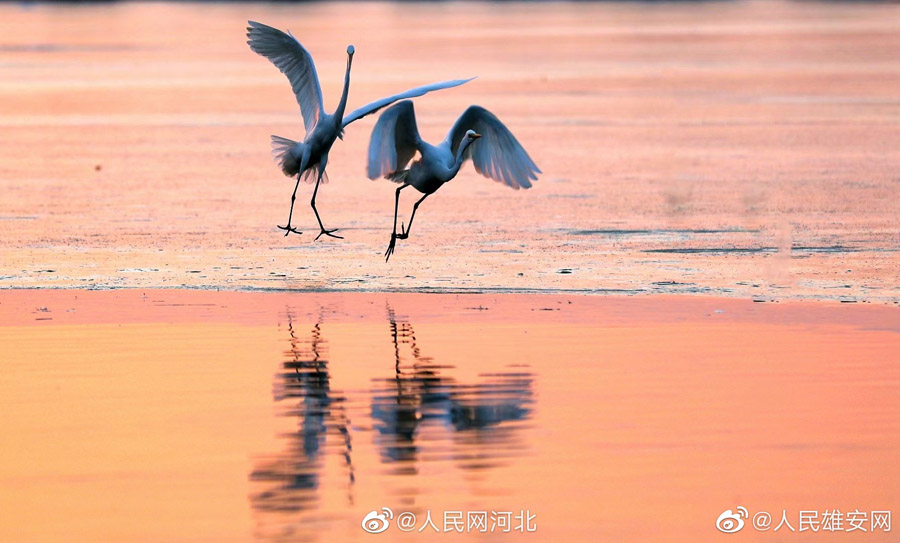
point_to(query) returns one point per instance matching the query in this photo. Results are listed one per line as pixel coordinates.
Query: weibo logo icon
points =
(376, 522)
(730, 522)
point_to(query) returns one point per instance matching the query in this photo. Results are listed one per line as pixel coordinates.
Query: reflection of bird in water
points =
(413, 394)
(478, 413)
(309, 157)
(418, 414)
(418, 395)
(503, 397)
(395, 141)
(292, 477)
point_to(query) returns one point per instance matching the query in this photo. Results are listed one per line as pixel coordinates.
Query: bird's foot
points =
(288, 229)
(390, 249)
(329, 233)
(403, 233)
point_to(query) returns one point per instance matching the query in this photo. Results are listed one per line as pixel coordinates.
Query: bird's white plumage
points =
(394, 140)
(307, 159)
(477, 134)
(498, 154)
(372, 107)
(289, 56)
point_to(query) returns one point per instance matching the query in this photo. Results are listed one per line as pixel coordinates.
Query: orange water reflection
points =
(417, 415)
(688, 147)
(192, 416)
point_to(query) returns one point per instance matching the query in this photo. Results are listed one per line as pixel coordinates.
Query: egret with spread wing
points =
(307, 159)
(395, 141)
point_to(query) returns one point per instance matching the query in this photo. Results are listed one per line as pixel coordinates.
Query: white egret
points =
(309, 157)
(395, 140)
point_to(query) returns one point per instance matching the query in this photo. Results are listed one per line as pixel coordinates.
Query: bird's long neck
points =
(339, 112)
(460, 155)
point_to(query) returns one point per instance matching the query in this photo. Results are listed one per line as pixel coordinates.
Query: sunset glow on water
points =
(179, 415)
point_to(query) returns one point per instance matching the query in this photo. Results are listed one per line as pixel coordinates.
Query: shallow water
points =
(203, 416)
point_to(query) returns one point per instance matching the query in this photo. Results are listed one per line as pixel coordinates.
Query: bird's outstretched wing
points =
(498, 154)
(295, 62)
(394, 140)
(368, 109)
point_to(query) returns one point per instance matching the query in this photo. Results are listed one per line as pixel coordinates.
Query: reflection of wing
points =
(505, 397)
(411, 93)
(394, 140)
(295, 62)
(498, 154)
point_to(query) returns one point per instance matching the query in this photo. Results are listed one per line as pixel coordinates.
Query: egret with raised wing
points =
(395, 141)
(307, 159)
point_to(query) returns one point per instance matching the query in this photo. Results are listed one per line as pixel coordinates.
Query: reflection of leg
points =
(312, 203)
(405, 233)
(393, 322)
(343, 425)
(390, 249)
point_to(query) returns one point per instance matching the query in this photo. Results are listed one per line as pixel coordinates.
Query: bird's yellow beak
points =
(475, 136)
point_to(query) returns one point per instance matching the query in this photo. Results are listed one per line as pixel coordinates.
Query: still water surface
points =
(422, 422)
(212, 416)
(722, 148)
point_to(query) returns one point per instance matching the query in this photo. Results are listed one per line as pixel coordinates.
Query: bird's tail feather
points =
(398, 177)
(281, 150)
(289, 154)
(311, 174)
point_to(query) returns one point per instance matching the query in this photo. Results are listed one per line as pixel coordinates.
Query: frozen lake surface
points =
(728, 148)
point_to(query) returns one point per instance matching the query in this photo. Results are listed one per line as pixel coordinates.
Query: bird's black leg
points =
(313, 204)
(405, 233)
(288, 229)
(390, 249)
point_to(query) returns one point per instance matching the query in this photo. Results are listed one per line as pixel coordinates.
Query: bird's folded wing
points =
(411, 93)
(394, 140)
(497, 154)
(295, 62)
